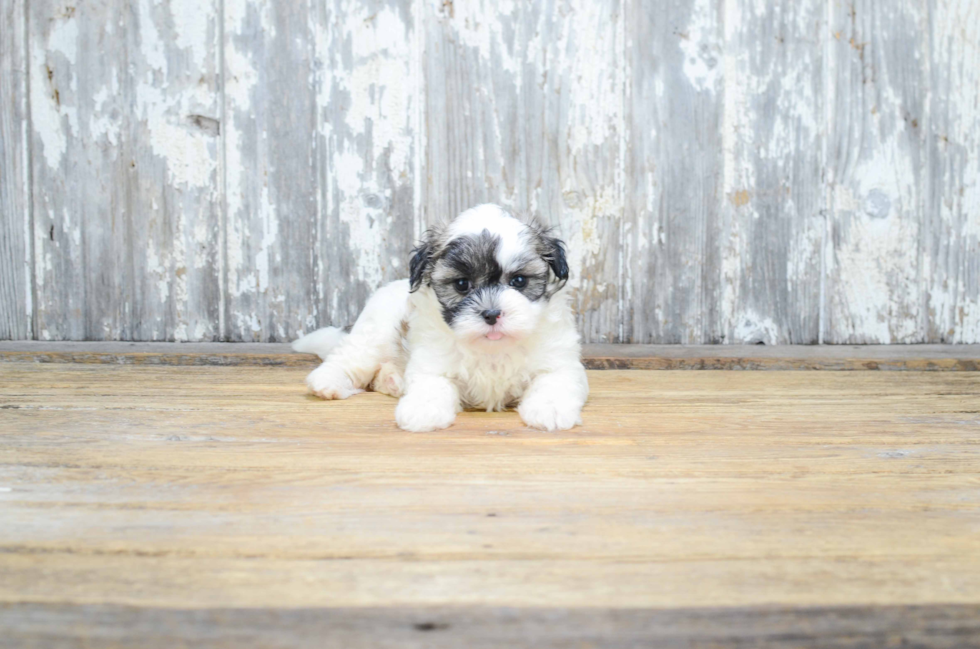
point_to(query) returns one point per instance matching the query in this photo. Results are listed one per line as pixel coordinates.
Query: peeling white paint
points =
(63, 38)
(270, 233)
(598, 89)
(364, 225)
(191, 29)
(477, 24)
(242, 77)
(189, 160)
(187, 151)
(752, 328)
(700, 46)
(953, 275)
(51, 62)
(905, 234)
(876, 263)
(151, 43)
(101, 123)
(156, 267)
(379, 84)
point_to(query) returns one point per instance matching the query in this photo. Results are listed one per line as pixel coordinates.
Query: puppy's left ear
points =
(554, 254)
(419, 263)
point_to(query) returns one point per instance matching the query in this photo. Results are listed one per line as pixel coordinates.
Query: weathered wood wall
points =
(723, 170)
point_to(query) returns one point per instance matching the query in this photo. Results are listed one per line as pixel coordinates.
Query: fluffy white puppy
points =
(481, 323)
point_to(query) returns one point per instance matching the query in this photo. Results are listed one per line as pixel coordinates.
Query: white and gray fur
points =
(480, 323)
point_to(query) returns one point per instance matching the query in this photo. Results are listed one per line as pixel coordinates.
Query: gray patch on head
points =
(474, 259)
(439, 263)
(469, 258)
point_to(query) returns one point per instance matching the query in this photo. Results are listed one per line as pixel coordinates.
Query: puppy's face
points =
(491, 273)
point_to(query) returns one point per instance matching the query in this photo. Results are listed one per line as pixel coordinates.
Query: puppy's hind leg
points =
(390, 379)
(351, 366)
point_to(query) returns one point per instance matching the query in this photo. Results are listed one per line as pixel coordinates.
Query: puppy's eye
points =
(462, 285)
(519, 281)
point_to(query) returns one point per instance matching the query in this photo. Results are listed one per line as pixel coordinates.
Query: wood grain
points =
(272, 220)
(952, 213)
(877, 173)
(474, 148)
(369, 114)
(675, 169)
(526, 108)
(723, 171)
(16, 291)
(202, 487)
(54, 625)
(125, 114)
(771, 231)
(574, 93)
(221, 505)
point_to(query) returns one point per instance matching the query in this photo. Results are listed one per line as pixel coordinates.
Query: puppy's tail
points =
(320, 342)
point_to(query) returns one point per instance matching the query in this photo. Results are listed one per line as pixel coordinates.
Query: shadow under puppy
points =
(481, 323)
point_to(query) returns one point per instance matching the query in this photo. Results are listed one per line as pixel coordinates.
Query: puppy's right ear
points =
(420, 262)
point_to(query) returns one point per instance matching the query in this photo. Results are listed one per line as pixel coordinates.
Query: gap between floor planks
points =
(595, 356)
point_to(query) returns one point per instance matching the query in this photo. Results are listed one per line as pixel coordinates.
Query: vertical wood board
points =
(367, 119)
(674, 167)
(951, 271)
(525, 107)
(770, 235)
(271, 201)
(573, 89)
(474, 140)
(723, 171)
(124, 106)
(876, 172)
(16, 292)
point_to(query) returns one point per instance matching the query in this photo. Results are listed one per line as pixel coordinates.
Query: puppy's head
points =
(491, 273)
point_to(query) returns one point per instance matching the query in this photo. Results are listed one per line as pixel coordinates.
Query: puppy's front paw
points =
(549, 413)
(418, 414)
(331, 382)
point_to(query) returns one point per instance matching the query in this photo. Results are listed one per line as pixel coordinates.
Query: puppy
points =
(480, 323)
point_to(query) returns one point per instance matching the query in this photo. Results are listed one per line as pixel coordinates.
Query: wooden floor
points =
(222, 506)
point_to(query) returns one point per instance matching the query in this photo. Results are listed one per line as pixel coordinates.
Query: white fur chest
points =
(491, 382)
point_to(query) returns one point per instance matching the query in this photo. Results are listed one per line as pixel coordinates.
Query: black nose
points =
(490, 317)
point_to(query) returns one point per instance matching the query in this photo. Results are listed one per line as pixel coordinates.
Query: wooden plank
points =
(595, 356)
(202, 504)
(59, 625)
(124, 107)
(674, 169)
(525, 107)
(270, 146)
(16, 291)
(320, 101)
(573, 79)
(367, 150)
(783, 357)
(876, 172)
(474, 58)
(772, 220)
(952, 212)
